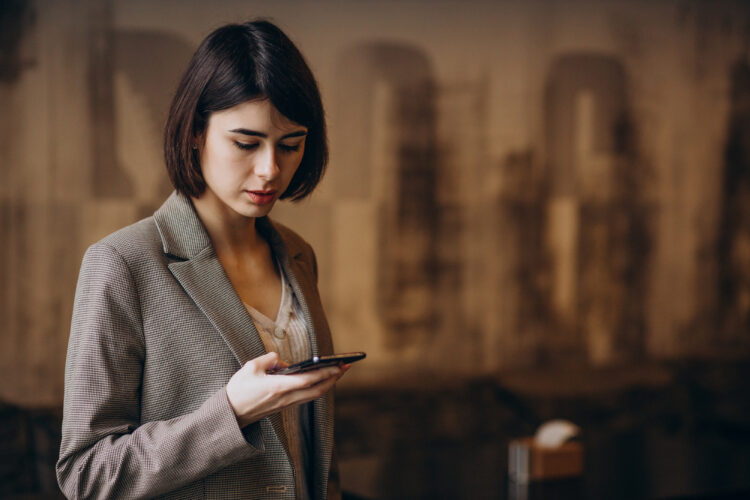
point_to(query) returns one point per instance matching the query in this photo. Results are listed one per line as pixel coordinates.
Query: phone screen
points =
(319, 362)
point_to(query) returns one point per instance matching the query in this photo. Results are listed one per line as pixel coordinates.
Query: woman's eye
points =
(287, 148)
(246, 146)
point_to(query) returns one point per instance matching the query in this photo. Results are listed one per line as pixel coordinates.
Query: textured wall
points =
(512, 184)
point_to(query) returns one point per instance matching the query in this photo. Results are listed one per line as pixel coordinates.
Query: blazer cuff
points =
(248, 441)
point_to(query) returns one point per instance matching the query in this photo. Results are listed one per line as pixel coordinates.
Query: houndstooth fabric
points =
(157, 332)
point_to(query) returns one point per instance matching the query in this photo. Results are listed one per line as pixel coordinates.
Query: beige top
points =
(288, 336)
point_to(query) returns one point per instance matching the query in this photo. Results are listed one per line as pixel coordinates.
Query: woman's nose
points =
(267, 167)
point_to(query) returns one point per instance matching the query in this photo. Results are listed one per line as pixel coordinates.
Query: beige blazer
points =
(157, 332)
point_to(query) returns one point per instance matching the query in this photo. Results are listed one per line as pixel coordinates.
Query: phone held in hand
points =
(319, 362)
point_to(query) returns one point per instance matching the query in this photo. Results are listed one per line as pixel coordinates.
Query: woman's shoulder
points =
(132, 242)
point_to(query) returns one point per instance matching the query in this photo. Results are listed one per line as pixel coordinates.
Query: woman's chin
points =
(252, 210)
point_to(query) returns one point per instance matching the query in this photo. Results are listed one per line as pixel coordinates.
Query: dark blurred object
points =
(565, 488)
(549, 473)
(345, 495)
(735, 495)
(16, 16)
(29, 444)
(529, 462)
(651, 431)
(734, 229)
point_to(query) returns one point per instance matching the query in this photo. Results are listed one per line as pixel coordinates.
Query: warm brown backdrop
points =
(515, 187)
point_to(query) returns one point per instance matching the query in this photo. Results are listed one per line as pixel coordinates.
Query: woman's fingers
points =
(254, 394)
(301, 388)
(314, 388)
(269, 361)
(312, 377)
(322, 386)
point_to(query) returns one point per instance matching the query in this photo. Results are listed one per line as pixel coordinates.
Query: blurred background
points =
(533, 210)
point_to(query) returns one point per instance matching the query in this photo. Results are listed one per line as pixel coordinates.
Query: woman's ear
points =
(197, 142)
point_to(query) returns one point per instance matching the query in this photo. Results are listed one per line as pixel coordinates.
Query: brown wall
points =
(512, 185)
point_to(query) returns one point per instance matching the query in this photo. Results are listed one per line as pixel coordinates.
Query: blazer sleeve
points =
(106, 451)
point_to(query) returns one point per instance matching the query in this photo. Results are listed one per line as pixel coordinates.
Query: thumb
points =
(268, 361)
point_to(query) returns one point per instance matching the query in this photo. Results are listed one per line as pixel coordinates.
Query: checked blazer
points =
(157, 332)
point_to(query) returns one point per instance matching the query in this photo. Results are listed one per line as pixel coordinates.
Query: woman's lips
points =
(261, 197)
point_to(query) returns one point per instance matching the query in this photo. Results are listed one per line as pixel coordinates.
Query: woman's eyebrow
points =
(255, 133)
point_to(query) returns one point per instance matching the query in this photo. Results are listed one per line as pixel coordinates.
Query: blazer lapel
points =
(295, 268)
(201, 274)
(204, 279)
(302, 278)
(198, 270)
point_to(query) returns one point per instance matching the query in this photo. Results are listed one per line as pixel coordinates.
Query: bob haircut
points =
(234, 64)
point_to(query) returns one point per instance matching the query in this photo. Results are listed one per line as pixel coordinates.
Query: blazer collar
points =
(182, 232)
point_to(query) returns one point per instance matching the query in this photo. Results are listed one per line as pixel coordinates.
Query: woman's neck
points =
(230, 232)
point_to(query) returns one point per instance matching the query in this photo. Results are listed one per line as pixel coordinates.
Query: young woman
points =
(178, 318)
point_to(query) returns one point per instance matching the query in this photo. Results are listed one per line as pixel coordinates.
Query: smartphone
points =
(319, 362)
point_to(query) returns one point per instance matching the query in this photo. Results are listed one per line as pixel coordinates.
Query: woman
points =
(178, 318)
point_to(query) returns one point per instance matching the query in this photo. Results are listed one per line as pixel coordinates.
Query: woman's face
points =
(249, 154)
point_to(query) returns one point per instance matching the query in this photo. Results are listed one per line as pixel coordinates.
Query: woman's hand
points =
(254, 394)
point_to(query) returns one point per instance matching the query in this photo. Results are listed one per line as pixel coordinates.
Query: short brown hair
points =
(234, 64)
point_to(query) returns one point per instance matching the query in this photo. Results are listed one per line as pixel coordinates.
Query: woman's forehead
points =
(255, 114)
